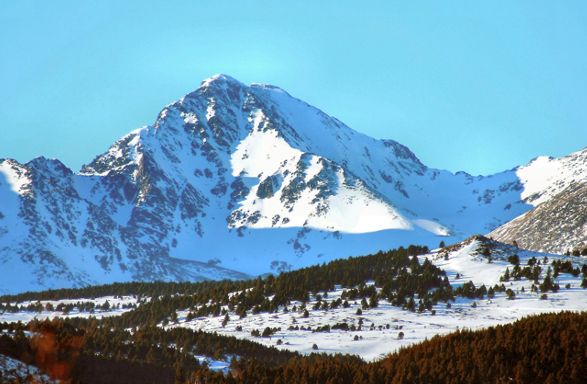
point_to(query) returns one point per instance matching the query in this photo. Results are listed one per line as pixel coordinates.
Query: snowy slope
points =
(463, 262)
(234, 179)
(545, 177)
(50, 236)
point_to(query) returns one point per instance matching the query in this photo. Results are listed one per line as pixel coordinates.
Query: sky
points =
(473, 86)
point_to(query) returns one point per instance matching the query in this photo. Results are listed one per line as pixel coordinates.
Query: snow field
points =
(416, 327)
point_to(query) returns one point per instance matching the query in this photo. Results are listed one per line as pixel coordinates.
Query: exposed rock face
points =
(557, 225)
(235, 179)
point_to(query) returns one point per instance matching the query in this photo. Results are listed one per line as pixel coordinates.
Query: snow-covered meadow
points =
(381, 326)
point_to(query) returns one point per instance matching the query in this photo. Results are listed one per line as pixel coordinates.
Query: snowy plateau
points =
(233, 181)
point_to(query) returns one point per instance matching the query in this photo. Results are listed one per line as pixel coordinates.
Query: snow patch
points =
(15, 176)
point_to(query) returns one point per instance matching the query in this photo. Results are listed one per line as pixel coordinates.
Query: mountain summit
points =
(235, 180)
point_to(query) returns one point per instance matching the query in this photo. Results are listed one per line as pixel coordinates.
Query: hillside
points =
(432, 310)
(546, 348)
(358, 305)
(486, 283)
(558, 225)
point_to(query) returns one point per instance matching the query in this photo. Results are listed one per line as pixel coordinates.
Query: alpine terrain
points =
(475, 311)
(559, 225)
(233, 180)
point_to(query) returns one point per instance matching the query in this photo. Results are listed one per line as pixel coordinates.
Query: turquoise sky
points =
(474, 86)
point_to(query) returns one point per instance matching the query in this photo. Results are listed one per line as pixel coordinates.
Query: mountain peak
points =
(224, 81)
(220, 79)
(43, 163)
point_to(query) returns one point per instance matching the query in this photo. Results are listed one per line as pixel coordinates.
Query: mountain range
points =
(233, 181)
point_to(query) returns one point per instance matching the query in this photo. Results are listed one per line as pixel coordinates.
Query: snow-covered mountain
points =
(235, 179)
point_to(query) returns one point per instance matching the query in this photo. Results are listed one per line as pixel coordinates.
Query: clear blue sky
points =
(467, 86)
